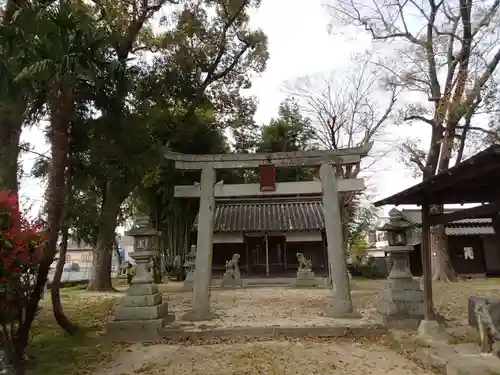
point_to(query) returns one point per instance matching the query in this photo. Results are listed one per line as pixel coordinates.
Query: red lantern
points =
(267, 177)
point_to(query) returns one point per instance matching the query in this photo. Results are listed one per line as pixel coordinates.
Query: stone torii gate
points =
(207, 190)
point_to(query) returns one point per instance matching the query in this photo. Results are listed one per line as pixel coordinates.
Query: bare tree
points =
(348, 108)
(446, 50)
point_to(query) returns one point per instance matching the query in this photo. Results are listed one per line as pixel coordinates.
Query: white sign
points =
(468, 253)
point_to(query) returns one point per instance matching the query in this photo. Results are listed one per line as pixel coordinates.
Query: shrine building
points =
(268, 232)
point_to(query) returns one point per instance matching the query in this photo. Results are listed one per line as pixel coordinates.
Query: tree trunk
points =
(57, 308)
(437, 162)
(102, 254)
(11, 121)
(442, 268)
(58, 135)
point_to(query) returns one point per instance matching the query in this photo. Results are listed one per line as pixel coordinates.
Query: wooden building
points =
(472, 181)
(471, 243)
(268, 232)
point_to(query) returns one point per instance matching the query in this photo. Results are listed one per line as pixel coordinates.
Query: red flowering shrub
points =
(20, 248)
(21, 245)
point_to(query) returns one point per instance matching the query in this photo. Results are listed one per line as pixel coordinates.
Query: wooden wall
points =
(313, 251)
(463, 266)
(282, 256)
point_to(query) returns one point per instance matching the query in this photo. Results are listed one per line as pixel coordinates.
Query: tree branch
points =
(419, 118)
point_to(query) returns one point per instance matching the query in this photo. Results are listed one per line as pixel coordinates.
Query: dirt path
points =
(266, 358)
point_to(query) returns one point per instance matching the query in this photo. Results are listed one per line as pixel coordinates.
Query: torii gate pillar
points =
(203, 261)
(342, 302)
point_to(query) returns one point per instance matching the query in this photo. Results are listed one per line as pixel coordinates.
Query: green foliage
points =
(289, 132)
(124, 112)
(363, 218)
(368, 269)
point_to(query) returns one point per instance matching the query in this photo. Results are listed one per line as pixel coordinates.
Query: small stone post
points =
(190, 266)
(141, 314)
(402, 302)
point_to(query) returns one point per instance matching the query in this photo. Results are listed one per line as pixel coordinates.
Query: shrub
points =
(21, 245)
(369, 269)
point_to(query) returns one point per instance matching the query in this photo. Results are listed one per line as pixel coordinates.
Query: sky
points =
(299, 44)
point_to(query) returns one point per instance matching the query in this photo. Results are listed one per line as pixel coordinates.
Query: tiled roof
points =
(415, 217)
(469, 231)
(465, 227)
(269, 215)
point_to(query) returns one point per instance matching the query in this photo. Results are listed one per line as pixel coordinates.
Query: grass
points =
(53, 352)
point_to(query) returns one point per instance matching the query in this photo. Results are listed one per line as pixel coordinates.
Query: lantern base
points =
(402, 303)
(137, 330)
(141, 314)
(188, 285)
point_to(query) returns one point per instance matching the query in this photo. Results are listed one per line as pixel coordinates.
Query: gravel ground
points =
(269, 358)
(289, 306)
(270, 306)
(285, 305)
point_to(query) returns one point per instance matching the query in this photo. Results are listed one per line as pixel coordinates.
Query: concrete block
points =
(142, 289)
(301, 283)
(403, 322)
(467, 348)
(195, 316)
(338, 312)
(311, 331)
(136, 330)
(234, 333)
(473, 365)
(141, 312)
(432, 330)
(438, 358)
(374, 330)
(141, 301)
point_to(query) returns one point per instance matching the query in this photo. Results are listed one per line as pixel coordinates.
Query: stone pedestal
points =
(231, 280)
(141, 314)
(305, 278)
(190, 266)
(402, 301)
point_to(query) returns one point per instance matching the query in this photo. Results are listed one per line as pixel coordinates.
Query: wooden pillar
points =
(495, 221)
(285, 257)
(267, 254)
(325, 256)
(342, 303)
(426, 264)
(204, 248)
(247, 253)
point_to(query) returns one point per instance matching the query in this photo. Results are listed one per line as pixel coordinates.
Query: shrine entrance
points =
(329, 186)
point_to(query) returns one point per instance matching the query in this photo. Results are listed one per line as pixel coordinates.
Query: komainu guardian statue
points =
(305, 275)
(232, 276)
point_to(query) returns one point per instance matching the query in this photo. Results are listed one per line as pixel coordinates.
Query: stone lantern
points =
(189, 265)
(402, 302)
(396, 235)
(141, 313)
